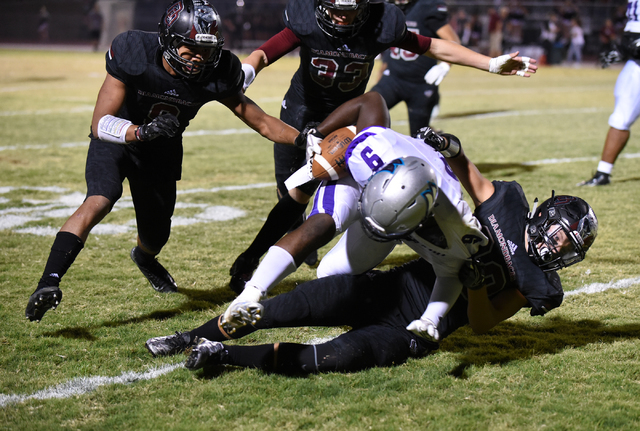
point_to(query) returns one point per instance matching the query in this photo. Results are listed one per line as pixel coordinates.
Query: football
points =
(331, 164)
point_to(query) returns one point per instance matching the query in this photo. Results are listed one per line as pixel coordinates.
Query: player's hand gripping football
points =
(471, 274)
(425, 328)
(310, 139)
(165, 125)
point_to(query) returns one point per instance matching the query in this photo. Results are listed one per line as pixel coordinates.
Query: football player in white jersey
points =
(627, 95)
(446, 240)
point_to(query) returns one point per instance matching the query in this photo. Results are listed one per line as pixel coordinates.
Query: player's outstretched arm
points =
(508, 64)
(253, 116)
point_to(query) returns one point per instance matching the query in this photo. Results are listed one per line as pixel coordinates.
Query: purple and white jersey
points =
(454, 237)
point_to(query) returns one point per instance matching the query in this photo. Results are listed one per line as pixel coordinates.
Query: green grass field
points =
(85, 365)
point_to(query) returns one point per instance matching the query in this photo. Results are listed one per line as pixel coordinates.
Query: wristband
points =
(113, 129)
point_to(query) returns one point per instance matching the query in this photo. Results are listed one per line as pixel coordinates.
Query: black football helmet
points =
(341, 31)
(194, 23)
(400, 3)
(560, 230)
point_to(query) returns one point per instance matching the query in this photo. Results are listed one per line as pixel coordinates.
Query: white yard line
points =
(83, 385)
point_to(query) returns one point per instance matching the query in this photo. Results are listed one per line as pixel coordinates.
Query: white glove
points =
(249, 75)
(424, 328)
(436, 74)
(313, 144)
(242, 310)
(497, 63)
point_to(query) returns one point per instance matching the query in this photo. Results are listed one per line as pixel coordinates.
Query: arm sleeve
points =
(415, 43)
(280, 44)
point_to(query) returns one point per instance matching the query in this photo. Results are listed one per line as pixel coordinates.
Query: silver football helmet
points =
(398, 198)
(560, 230)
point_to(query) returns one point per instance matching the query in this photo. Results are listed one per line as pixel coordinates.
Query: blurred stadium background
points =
(247, 23)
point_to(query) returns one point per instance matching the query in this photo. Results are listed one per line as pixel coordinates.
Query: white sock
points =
(275, 266)
(605, 167)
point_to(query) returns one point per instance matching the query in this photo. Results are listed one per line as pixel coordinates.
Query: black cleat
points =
(41, 301)
(169, 345)
(599, 179)
(205, 352)
(159, 277)
(241, 272)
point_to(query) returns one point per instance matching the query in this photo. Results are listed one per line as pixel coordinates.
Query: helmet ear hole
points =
(398, 198)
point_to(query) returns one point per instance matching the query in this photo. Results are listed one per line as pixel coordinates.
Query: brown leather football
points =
(330, 164)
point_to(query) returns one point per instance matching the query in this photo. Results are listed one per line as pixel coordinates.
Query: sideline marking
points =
(83, 385)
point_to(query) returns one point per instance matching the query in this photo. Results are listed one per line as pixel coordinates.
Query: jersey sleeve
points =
(437, 16)
(126, 56)
(280, 44)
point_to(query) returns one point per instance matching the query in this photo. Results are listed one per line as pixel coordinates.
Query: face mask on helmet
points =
(560, 230)
(397, 199)
(195, 24)
(326, 8)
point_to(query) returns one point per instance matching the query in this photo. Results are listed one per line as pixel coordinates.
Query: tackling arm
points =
(253, 116)
(485, 313)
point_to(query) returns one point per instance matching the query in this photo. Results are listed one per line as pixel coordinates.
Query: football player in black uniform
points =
(338, 41)
(516, 269)
(411, 78)
(150, 94)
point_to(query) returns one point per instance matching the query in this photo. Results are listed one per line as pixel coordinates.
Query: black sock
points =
(261, 356)
(285, 358)
(63, 253)
(280, 219)
(213, 332)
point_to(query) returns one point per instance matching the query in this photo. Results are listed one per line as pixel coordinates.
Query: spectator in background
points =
(574, 53)
(94, 25)
(607, 35)
(496, 25)
(43, 24)
(548, 37)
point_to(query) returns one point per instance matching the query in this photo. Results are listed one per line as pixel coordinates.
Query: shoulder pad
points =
(299, 16)
(387, 22)
(129, 53)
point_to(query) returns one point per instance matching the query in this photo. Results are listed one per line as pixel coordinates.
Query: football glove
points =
(436, 74)
(249, 75)
(607, 58)
(309, 139)
(447, 144)
(165, 125)
(425, 328)
(471, 274)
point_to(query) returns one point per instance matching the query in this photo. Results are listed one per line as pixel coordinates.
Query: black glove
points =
(607, 58)
(165, 125)
(310, 128)
(447, 144)
(471, 275)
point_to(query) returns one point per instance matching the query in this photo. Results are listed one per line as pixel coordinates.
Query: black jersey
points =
(423, 17)
(507, 264)
(333, 71)
(135, 59)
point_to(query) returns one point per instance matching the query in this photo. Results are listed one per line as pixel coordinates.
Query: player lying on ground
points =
(151, 92)
(516, 269)
(419, 186)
